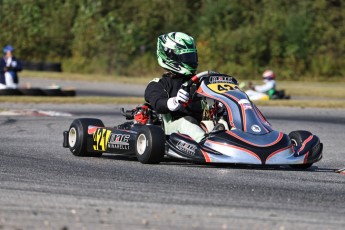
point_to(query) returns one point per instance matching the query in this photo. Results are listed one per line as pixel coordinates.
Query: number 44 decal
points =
(100, 138)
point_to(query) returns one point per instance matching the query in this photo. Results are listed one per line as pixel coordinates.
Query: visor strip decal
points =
(304, 143)
(207, 158)
(306, 158)
(278, 151)
(244, 120)
(185, 136)
(236, 147)
(235, 100)
(251, 143)
(262, 118)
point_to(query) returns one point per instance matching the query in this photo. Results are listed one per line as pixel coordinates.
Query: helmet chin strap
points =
(181, 76)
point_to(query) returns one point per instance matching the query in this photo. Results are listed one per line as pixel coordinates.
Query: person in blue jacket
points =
(9, 66)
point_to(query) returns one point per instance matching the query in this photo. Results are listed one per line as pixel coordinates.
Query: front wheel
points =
(297, 138)
(78, 135)
(150, 142)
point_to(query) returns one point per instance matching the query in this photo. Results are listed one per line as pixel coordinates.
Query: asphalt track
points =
(84, 88)
(43, 186)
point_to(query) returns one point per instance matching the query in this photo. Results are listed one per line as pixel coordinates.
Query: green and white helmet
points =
(176, 53)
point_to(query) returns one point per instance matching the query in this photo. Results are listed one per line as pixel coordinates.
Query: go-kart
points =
(246, 136)
(273, 94)
(258, 96)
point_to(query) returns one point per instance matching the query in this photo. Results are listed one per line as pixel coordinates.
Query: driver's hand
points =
(175, 103)
(182, 96)
(250, 85)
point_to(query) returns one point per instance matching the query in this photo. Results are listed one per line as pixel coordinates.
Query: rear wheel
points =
(150, 143)
(297, 138)
(77, 136)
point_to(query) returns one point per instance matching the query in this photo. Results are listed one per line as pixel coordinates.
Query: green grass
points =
(304, 103)
(314, 89)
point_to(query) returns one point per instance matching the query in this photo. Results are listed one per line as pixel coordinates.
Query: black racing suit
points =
(3, 69)
(157, 94)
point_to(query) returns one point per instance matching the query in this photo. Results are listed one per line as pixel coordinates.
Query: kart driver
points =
(9, 66)
(270, 84)
(176, 52)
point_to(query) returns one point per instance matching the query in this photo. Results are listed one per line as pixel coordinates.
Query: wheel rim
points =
(72, 137)
(141, 144)
(294, 142)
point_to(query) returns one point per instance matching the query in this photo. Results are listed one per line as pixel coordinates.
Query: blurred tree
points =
(238, 37)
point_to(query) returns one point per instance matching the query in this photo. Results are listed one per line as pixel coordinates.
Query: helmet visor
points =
(190, 59)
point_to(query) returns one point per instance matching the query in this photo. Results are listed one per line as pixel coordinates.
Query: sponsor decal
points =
(221, 79)
(100, 138)
(119, 141)
(187, 148)
(256, 128)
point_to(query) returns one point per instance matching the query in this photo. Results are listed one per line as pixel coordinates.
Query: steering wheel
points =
(196, 79)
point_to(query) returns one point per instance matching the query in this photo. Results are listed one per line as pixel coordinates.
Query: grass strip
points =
(304, 103)
(314, 89)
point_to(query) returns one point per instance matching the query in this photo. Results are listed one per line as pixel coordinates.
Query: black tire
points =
(150, 144)
(52, 66)
(27, 65)
(53, 92)
(69, 92)
(10, 92)
(32, 92)
(77, 136)
(297, 138)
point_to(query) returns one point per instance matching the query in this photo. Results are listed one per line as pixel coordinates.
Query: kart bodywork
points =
(247, 137)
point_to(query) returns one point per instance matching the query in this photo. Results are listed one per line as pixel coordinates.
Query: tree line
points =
(295, 38)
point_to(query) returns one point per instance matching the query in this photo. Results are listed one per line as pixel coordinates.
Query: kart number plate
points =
(222, 87)
(100, 138)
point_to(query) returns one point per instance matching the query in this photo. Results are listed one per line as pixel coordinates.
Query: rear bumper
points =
(65, 139)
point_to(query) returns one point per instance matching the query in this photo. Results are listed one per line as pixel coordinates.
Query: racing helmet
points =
(268, 75)
(176, 52)
(7, 48)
